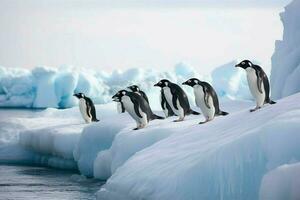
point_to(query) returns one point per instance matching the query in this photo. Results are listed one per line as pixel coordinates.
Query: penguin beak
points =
(156, 85)
(237, 65)
(184, 83)
(115, 98)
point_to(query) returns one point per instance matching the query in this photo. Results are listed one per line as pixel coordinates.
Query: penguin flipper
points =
(174, 99)
(162, 99)
(136, 108)
(206, 98)
(122, 107)
(88, 110)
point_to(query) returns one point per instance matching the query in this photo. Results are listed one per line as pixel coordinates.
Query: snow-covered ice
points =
(227, 158)
(224, 159)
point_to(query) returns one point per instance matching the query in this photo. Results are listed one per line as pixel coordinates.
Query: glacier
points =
(286, 58)
(46, 87)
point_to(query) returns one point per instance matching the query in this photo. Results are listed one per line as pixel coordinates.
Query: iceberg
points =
(285, 71)
(46, 87)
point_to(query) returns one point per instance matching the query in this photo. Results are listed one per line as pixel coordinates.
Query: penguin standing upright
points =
(87, 108)
(176, 98)
(206, 98)
(137, 107)
(258, 83)
(136, 89)
(165, 105)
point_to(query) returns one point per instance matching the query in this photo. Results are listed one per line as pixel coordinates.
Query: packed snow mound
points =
(285, 71)
(45, 87)
(282, 183)
(96, 138)
(224, 159)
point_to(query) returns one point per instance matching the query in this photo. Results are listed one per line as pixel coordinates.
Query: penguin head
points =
(162, 83)
(244, 64)
(134, 88)
(79, 95)
(192, 82)
(118, 96)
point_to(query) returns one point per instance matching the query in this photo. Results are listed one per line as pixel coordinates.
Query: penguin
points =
(165, 105)
(176, 98)
(206, 99)
(87, 108)
(137, 107)
(136, 89)
(258, 83)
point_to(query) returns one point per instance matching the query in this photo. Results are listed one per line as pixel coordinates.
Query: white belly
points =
(179, 112)
(209, 113)
(252, 82)
(129, 107)
(83, 111)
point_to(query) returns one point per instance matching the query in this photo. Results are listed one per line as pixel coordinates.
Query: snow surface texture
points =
(281, 183)
(224, 159)
(286, 58)
(48, 87)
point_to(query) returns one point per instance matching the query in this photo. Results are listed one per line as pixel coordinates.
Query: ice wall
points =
(285, 71)
(50, 87)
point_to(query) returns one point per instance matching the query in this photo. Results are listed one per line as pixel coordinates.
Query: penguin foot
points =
(205, 121)
(137, 128)
(178, 120)
(255, 109)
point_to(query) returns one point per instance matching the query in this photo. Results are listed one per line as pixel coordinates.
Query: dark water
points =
(28, 183)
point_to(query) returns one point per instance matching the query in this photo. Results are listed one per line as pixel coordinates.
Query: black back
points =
(262, 76)
(209, 90)
(178, 93)
(143, 94)
(139, 101)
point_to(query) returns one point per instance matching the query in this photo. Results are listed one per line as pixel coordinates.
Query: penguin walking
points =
(137, 107)
(87, 108)
(258, 83)
(206, 99)
(136, 89)
(176, 98)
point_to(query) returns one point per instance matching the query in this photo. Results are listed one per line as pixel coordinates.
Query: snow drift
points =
(286, 58)
(45, 87)
(281, 183)
(224, 159)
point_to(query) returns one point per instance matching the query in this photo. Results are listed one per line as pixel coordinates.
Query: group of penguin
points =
(174, 101)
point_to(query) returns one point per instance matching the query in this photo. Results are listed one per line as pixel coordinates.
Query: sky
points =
(108, 35)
